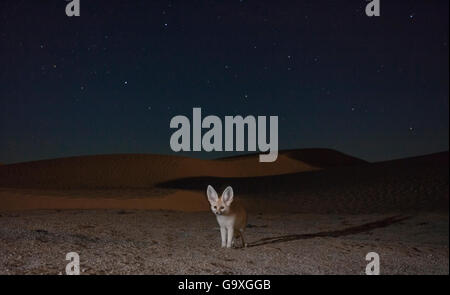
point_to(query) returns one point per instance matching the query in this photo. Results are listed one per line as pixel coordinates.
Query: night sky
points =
(110, 80)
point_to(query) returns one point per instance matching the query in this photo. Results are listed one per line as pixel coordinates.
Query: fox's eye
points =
(215, 207)
(222, 207)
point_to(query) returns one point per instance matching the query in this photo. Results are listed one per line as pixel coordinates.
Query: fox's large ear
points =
(212, 194)
(227, 195)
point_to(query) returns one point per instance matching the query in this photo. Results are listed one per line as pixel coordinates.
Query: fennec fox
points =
(231, 216)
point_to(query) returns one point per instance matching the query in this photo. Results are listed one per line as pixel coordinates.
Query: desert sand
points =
(312, 211)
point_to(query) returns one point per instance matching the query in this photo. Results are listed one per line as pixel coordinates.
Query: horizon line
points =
(241, 154)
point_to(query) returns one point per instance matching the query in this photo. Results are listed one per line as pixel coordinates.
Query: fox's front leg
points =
(230, 231)
(223, 234)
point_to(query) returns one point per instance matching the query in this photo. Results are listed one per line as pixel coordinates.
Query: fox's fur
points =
(231, 216)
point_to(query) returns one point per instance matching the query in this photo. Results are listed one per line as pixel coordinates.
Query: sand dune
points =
(323, 158)
(144, 171)
(414, 184)
(299, 181)
(133, 181)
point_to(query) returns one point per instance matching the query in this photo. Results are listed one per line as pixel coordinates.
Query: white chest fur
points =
(225, 221)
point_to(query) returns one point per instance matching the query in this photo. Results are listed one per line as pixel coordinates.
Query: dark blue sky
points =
(110, 80)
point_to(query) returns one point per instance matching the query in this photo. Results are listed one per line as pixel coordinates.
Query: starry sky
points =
(110, 80)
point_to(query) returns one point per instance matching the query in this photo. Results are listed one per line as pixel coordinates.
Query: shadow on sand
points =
(333, 234)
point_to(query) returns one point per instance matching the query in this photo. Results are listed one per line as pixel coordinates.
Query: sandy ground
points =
(170, 242)
(311, 212)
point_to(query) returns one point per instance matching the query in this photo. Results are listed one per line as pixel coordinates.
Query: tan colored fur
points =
(230, 215)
